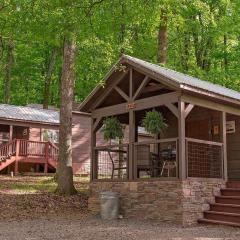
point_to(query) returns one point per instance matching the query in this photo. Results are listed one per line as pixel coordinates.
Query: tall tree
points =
(8, 71)
(50, 65)
(64, 169)
(162, 37)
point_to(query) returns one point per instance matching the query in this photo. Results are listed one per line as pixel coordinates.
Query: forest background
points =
(197, 37)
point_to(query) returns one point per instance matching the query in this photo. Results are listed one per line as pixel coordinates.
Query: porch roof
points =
(23, 113)
(178, 80)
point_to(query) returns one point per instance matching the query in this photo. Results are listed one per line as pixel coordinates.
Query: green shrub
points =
(154, 122)
(112, 128)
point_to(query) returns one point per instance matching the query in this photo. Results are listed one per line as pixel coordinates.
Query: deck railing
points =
(7, 150)
(156, 158)
(204, 158)
(28, 148)
(111, 161)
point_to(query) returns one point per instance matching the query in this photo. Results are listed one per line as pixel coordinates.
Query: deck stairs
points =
(29, 152)
(226, 209)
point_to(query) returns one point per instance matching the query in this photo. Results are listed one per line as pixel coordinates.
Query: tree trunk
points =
(64, 168)
(8, 70)
(225, 60)
(162, 39)
(48, 78)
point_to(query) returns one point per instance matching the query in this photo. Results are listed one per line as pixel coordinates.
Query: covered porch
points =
(174, 175)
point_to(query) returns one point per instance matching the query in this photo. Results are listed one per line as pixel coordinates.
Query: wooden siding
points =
(35, 134)
(233, 149)
(81, 133)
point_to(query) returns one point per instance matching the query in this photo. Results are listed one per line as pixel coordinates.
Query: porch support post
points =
(132, 132)
(224, 141)
(181, 136)
(17, 156)
(93, 170)
(10, 132)
(131, 164)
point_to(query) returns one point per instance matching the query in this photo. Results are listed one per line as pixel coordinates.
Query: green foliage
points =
(112, 129)
(153, 122)
(203, 40)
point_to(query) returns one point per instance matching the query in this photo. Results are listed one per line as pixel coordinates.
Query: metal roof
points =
(183, 79)
(29, 114)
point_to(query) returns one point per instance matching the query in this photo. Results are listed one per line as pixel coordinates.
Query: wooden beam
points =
(224, 141)
(210, 104)
(108, 90)
(156, 101)
(188, 109)
(181, 135)
(140, 104)
(122, 93)
(140, 88)
(96, 123)
(173, 109)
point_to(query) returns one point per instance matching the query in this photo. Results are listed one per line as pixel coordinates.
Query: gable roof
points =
(30, 114)
(179, 80)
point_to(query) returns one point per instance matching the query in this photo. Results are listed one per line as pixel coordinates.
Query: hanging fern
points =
(112, 128)
(154, 122)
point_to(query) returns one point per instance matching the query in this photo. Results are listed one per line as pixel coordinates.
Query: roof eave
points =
(203, 92)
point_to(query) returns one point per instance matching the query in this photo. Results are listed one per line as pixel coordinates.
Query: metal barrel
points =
(109, 205)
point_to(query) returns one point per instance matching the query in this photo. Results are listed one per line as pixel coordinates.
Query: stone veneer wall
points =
(197, 194)
(169, 201)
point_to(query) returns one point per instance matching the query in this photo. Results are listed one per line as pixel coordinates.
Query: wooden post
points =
(46, 157)
(224, 141)
(10, 132)
(131, 163)
(181, 137)
(17, 156)
(94, 168)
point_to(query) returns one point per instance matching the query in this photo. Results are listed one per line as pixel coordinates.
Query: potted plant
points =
(112, 129)
(154, 122)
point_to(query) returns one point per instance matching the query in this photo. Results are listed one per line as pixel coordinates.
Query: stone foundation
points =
(169, 201)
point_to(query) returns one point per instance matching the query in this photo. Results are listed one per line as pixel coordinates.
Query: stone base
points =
(174, 201)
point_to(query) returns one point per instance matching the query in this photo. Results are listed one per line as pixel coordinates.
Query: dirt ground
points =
(31, 211)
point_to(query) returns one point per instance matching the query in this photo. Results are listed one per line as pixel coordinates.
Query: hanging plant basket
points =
(112, 129)
(153, 122)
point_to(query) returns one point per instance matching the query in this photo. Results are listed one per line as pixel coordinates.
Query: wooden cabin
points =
(188, 173)
(29, 139)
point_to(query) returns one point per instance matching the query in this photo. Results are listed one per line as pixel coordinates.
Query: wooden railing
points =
(28, 148)
(7, 150)
(53, 151)
(204, 158)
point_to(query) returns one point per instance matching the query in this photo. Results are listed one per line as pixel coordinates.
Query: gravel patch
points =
(85, 227)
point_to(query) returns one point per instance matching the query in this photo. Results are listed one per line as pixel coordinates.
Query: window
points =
(51, 135)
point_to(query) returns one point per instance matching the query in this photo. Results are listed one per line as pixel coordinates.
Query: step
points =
(228, 199)
(233, 184)
(222, 216)
(209, 221)
(230, 192)
(220, 207)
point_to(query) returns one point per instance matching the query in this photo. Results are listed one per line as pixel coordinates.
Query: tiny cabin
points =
(29, 139)
(176, 175)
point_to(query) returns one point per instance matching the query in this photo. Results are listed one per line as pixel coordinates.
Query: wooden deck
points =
(26, 151)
